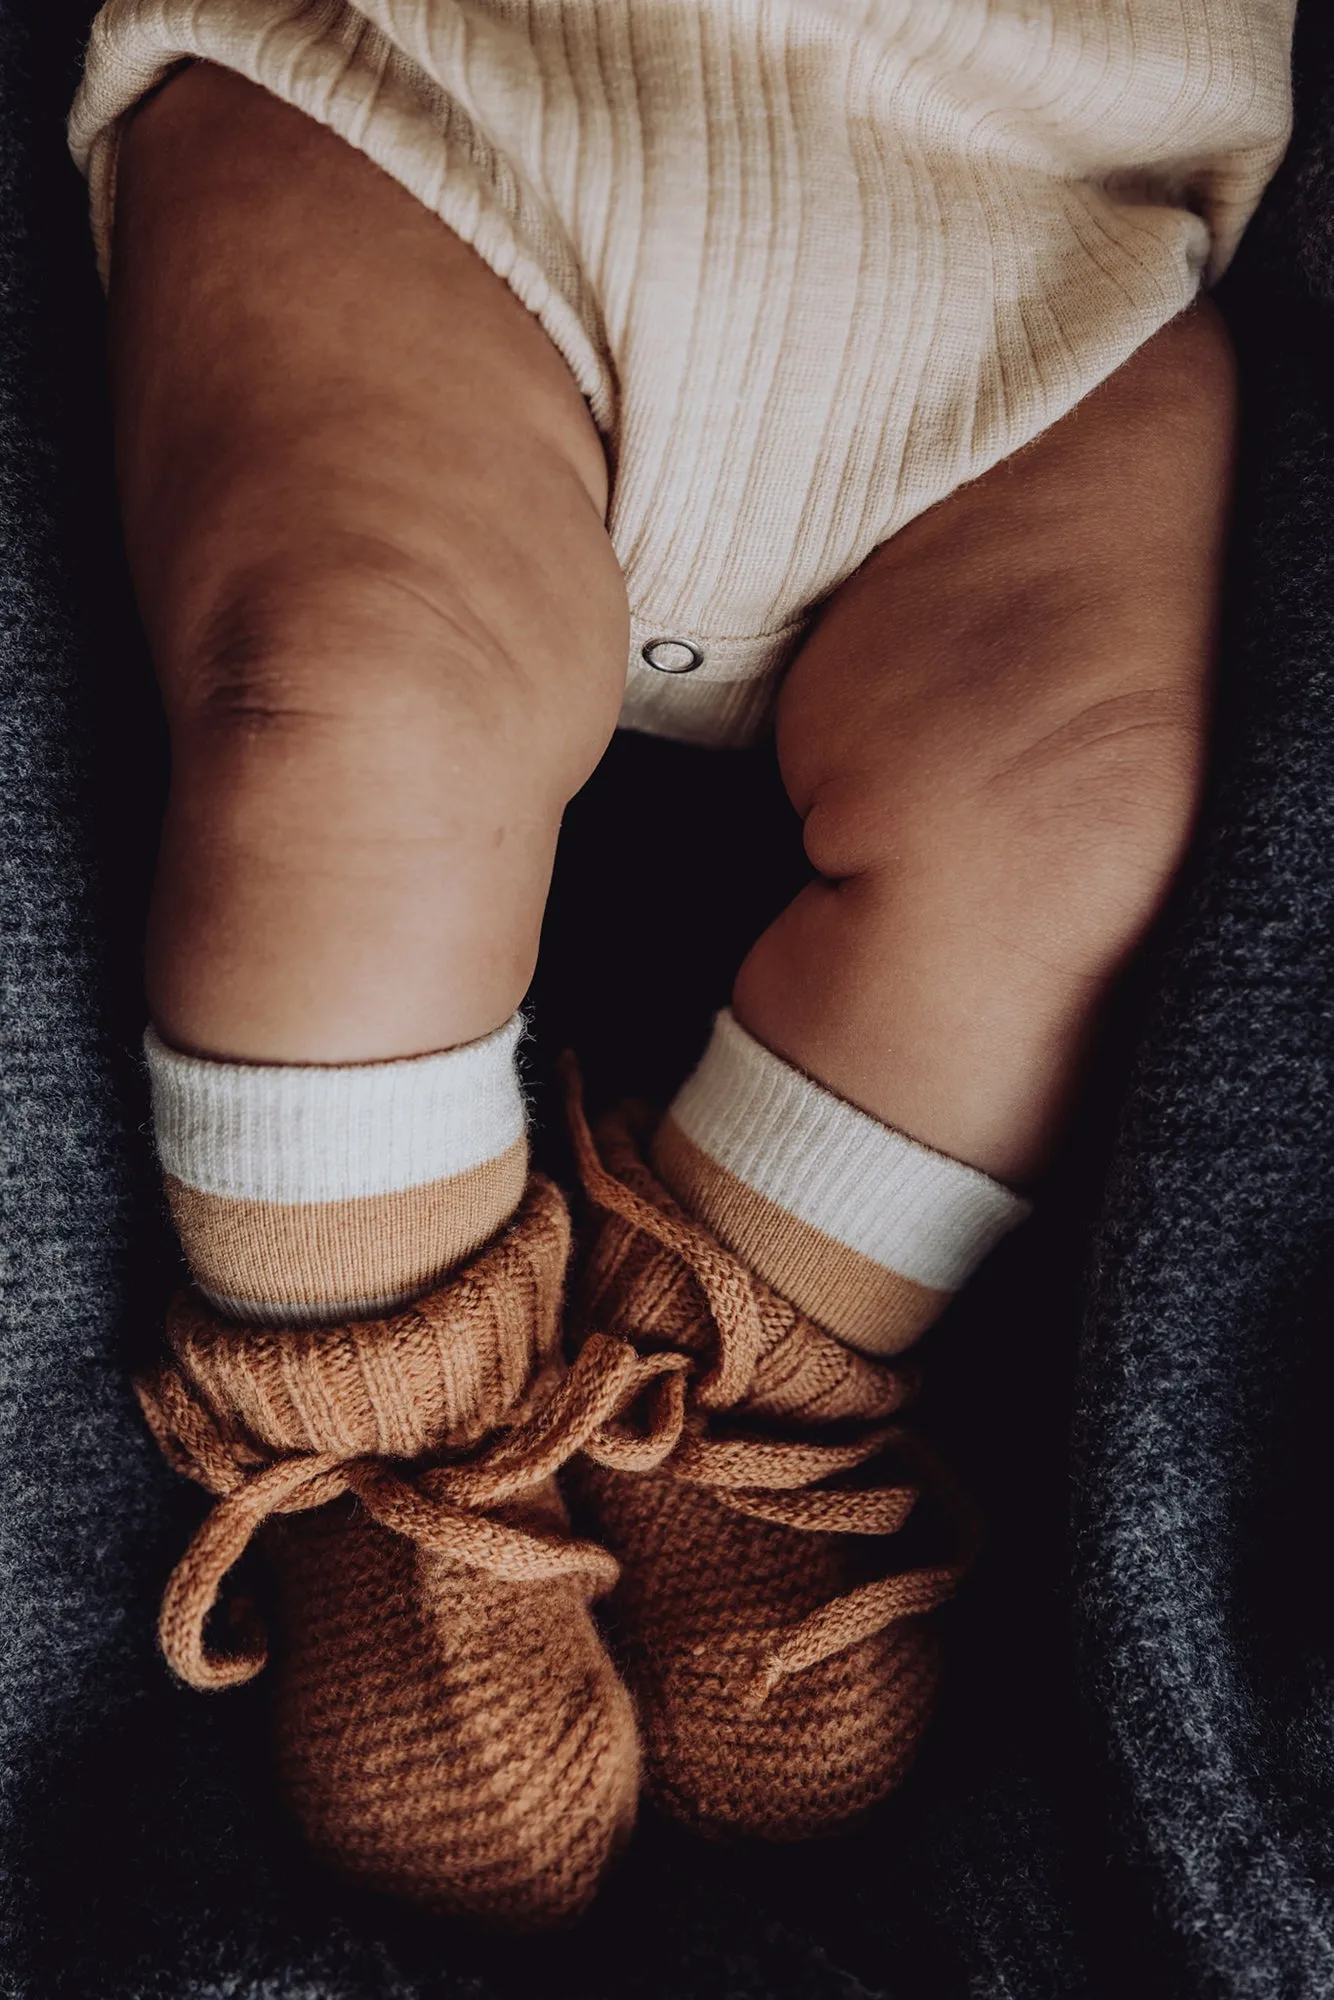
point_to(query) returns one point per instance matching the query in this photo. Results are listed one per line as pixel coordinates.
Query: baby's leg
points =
(363, 505)
(995, 741)
(994, 738)
(363, 501)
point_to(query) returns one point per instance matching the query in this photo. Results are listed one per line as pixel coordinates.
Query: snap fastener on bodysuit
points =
(671, 656)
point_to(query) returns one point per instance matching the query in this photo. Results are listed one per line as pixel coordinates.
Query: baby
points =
(841, 368)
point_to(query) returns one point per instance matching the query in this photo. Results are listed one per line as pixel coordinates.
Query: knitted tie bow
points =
(443, 1509)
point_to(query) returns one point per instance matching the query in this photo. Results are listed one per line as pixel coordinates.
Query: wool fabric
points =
(304, 1194)
(814, 264)
(866, 1231)
(447, 1724)
(777, 1638)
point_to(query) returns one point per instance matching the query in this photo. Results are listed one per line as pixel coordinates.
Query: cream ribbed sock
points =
(308, 1195)
(863, 1229)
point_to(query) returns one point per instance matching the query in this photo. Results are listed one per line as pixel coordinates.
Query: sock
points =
(309, 1195)
(864, 1230)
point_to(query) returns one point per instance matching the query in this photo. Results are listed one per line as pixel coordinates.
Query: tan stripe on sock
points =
(864, 1304)
(293, 1259)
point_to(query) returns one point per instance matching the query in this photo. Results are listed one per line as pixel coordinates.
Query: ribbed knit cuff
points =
(864, 1229)
(305, 1193)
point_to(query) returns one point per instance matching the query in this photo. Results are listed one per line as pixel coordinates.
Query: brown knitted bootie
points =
(448, 1726)
(779, 1650)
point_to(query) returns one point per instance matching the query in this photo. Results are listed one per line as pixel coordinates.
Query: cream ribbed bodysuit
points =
(814, 263)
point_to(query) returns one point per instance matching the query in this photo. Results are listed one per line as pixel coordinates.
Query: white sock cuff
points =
(927, 1217)
(286, 1132)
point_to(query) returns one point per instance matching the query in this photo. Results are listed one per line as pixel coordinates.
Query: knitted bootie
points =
(780, 1652)
(448, 1726)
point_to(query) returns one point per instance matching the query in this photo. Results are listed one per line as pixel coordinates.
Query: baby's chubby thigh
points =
(994, 738)
(363, 502)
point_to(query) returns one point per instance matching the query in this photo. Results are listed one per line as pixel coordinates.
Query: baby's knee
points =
(1062, 830)
(356, 782)
(365, 667)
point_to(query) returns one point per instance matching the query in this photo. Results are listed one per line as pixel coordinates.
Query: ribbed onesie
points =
(814, 263)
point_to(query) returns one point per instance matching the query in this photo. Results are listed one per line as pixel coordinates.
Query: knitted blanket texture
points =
(1131, 1785)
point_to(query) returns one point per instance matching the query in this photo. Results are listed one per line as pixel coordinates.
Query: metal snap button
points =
(671, 656)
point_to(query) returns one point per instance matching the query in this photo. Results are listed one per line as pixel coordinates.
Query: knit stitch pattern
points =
(780, 1651)
(447, 1725)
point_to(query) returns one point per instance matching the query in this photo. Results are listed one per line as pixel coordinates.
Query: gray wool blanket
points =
(1131, 1785)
